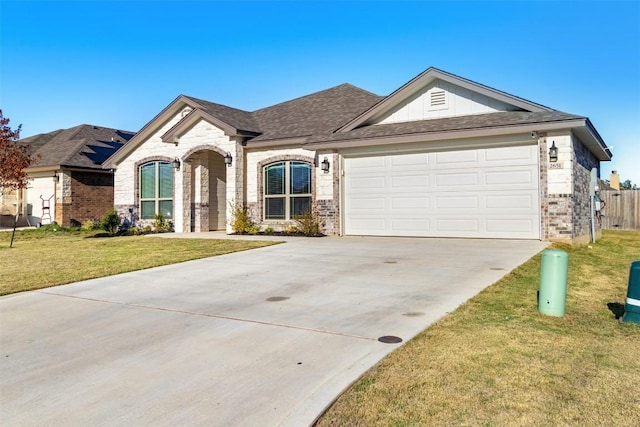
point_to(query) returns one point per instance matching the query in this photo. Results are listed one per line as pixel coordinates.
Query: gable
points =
(412, 90)
(441, 99)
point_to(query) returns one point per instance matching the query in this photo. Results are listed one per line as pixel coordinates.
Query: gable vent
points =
(438, 98)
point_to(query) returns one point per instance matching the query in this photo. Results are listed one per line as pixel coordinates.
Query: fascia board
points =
(147, 130)
(46, 168)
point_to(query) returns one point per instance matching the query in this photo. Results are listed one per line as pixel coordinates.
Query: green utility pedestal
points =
(553, 282)
(632, 304)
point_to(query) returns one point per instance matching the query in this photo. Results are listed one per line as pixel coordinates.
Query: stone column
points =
(201, 193)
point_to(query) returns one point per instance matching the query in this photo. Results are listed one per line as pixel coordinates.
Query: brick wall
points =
(584, 161)
(87, 195)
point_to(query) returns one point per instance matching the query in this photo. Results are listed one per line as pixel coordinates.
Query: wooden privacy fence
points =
(621, 210)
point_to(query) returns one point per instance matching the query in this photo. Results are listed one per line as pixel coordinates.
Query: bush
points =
(161, 225)
(241, 222)
(309, 223)
(111, 222)
(90, 224)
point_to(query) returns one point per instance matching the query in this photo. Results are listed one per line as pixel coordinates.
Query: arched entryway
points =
(205, 190)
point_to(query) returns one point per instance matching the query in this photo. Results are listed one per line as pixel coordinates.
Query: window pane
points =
(274, 208)
(166, 208)
(148, 181)
(274, 179)
(299, 206)
(147, 210)
(165, 180)
(300, 178)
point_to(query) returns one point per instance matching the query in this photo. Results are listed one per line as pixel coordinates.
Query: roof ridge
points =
(312, 94)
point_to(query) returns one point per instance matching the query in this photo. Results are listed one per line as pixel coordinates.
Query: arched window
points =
(156, 190)
(287, 190)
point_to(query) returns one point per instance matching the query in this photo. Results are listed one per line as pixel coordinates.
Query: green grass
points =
(44, 258)
(496, 361)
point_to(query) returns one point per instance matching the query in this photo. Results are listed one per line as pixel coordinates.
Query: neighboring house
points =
(442, 156)
(67, 183)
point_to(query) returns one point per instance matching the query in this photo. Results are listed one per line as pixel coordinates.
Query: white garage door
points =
(490, 192)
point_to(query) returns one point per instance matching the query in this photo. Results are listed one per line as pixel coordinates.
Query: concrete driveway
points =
(266, 337)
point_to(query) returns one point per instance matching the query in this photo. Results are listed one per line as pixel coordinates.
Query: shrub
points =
(241, 221)
(111, 222)
(90, 224)
(309, 223)
(269, 230)
(161, 225)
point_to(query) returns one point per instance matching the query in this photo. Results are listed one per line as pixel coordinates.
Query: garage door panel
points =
(456, 225)
(457, 158)
(521, 226)
(410, 226)
(475, 193)
(368, 226)
(509, 202)
(376, 183)
(368, 204)
(410, 203)
(409, 182)
(367, 163)
(511, 155)
(510, 177)
(469, 201)
(409, 160)
(457, 179)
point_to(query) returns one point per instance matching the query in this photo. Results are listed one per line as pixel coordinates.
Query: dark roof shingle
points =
(84, 146)
(477, 121)
(318, 112)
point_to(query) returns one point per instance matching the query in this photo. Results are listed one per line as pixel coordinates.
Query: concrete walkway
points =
(267, 337)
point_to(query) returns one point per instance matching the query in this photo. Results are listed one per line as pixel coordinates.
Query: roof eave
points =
(446, 135)
(147, 130)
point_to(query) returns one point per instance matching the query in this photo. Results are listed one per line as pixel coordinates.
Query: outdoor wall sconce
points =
(553, 152)
(56, 178)
(176, 164)
(325, 165)
(228, 159)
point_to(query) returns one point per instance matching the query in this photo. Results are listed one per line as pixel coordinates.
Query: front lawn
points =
(43, 258)
(496, 361)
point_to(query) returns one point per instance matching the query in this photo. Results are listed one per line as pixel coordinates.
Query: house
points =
(442, 156)
(67, 183)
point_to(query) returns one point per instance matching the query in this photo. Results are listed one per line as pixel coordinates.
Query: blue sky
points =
(119, 63)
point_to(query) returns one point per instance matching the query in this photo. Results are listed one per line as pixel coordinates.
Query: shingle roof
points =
(477, 121)
(240, 119)
(84, 146)
(318, 112)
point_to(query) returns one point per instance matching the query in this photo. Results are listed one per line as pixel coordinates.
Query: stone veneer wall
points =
(557, 208)
(330, 208)
(584, 161)
(566, 215)
(202, 136)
